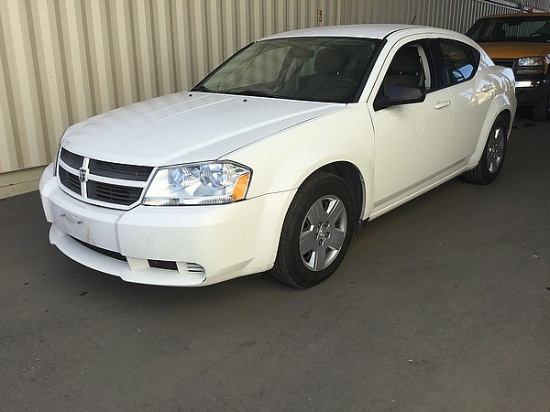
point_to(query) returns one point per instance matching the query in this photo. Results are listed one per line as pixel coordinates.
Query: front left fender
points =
(282, 162)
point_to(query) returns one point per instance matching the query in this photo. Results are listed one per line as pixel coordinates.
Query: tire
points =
(493, 155)
(316, 232)
(541, 111)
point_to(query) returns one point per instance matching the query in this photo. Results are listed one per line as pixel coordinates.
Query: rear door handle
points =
(487, 88)
(442, 104)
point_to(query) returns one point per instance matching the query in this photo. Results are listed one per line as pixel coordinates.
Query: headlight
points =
(211, 183)
(56, 160)
(531, 61)
(531, 65)
(57, 153)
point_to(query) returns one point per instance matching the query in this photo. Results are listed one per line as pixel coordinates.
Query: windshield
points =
(322, 69)
(515, 29)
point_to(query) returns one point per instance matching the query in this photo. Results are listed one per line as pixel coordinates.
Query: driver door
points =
(412, 141)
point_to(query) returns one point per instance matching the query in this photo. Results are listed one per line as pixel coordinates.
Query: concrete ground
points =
(441, 305)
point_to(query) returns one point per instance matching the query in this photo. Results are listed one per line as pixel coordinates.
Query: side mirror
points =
(399, 95)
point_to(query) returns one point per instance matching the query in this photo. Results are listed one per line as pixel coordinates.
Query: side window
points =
(461, 60)
(409, 67)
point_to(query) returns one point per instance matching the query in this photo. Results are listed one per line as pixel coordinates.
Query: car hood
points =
(511, 50)
(187, 127)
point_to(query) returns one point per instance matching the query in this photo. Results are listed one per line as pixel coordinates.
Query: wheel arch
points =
(297, 261)
(353, 177)
(507, 116)
(341, 144)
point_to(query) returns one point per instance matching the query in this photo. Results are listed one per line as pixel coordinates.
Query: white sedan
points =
(278, 156)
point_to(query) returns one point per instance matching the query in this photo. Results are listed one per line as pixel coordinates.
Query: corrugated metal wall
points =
(62, 61)
(456, 15)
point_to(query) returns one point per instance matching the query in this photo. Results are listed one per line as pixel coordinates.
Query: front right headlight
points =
(530, 65)
(531, 61)
(208, 183)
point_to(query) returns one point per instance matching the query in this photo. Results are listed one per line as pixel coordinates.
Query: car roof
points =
(372, 31)
(524, 16)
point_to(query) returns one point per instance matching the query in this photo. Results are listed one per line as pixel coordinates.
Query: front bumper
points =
(195, 245)
(531, 92)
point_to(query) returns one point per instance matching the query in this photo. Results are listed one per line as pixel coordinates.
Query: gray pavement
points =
(441, 305)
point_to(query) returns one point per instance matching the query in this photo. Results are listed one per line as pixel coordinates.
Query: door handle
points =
(487, 88)
(442, 104)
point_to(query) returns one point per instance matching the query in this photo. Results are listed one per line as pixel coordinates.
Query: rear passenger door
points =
(472, 91)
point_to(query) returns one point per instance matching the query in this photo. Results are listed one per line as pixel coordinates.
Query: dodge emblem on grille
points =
(83, 174)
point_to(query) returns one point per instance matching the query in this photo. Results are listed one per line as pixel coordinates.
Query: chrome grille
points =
(101, 182)
(505, 62)
(120, 171)
(121, 195)
(70, 181)
(71, 159)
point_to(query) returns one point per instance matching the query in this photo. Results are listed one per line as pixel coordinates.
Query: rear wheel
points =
(491, 161)
(316, 232)
(541, 111)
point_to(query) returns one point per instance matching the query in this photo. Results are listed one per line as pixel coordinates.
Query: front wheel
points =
(316, 232)
(491, 161)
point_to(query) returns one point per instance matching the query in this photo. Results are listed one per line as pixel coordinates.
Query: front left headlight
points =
(208, 183)
(57, 153)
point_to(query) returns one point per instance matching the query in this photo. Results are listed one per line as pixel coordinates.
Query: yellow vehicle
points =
(520, 41)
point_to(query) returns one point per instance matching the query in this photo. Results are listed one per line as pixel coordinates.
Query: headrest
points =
(406, 61)
(331, 61)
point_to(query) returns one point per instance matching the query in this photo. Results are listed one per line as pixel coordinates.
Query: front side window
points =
(460, 59)
(322, 69)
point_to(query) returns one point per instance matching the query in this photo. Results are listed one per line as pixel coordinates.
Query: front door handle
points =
(442, 104)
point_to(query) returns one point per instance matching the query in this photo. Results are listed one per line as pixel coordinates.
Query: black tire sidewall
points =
(489, 177)
(289, 259)
(541, 110)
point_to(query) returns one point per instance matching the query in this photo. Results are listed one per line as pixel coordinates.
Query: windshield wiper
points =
(256, 93)
(201, 88)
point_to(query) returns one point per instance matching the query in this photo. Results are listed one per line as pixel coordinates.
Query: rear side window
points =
(461, 60)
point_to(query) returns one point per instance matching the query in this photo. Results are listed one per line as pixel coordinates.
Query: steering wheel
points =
(341, 81)
(341, 86)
